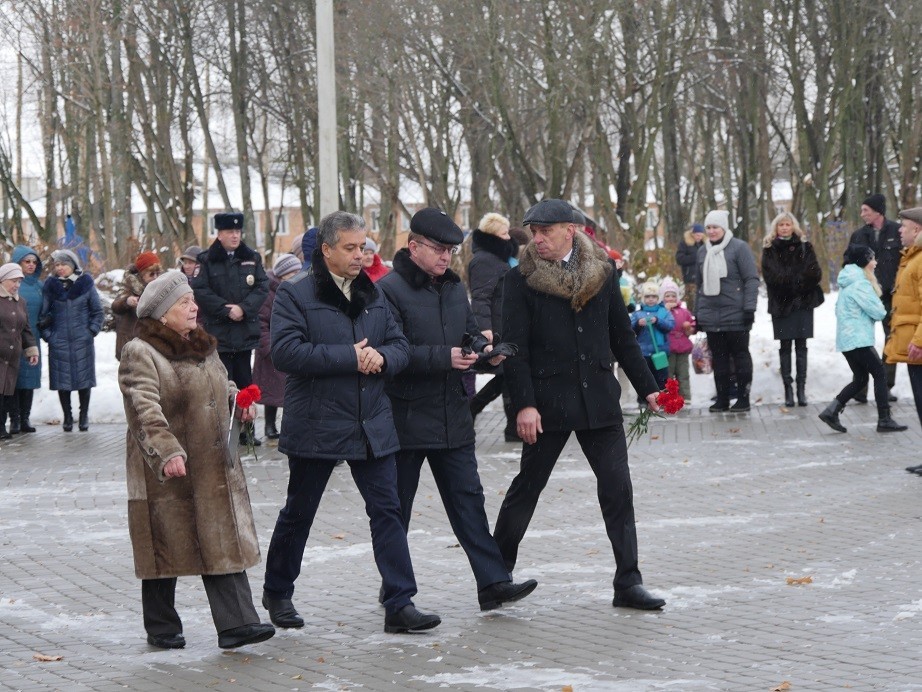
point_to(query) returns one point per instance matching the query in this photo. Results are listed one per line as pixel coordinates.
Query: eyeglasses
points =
(441, 249)
(152, 272)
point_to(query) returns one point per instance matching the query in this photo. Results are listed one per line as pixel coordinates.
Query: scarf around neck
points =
(715, 265)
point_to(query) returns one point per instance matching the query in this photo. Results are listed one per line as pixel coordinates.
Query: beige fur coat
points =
(177, 402)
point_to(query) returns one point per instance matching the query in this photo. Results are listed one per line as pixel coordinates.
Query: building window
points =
(281, 223)
(376, 220)
(465, 217)
(212, 233)
(405, 219)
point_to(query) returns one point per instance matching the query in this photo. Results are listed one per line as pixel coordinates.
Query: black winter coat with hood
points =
(487, 266)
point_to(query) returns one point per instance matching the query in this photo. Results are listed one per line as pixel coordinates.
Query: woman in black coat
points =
(792, 276)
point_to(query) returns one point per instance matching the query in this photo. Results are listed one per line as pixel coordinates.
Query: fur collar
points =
(56, 290)
(363, 290)
(586, 273)
(217, 253)
(171, 345)
(132, 284)
(415, 276)
(502, 248)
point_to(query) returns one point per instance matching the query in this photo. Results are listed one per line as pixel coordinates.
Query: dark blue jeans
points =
(376, 480)
(865, 363)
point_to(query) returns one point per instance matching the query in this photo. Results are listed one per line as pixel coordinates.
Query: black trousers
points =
(606, 452)
(228, 595)
(915, 379)
(455, 474)
(730, 353)
(864, 363)
(239, 367)
(889, 368)
(377, 482)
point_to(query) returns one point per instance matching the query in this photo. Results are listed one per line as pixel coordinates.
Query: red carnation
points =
(248, 396)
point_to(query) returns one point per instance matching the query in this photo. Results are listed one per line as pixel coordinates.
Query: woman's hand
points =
(245, 415)
(33, 360)
(175, 467)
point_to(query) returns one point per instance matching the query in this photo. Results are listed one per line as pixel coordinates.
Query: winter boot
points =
(68, 422)
(4, 435)
(12, 405)
(801, 359)
(25, 410)
(830, 415)
(722, 401)
(741, 405)
(271, 431)
(785, 356)
(84, 422)
(885, 423)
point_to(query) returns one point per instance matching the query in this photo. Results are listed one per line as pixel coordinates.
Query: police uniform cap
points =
(228, 221)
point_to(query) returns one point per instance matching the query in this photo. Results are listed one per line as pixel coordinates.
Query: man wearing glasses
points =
(230, 287)
(431, 411)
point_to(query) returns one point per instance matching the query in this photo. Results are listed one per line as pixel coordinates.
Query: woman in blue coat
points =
(857, 309)
(30, 376)
(71, 318)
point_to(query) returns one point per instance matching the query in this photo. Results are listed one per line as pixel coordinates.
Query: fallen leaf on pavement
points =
(339, 536)
(795, 581)
(45, 658)
(782, 687)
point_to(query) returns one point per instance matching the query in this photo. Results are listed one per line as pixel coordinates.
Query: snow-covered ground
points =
(827, 372)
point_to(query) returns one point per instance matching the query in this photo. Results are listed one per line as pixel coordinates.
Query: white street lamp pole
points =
(326, 109)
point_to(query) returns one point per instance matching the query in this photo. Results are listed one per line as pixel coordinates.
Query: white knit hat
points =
(718, 217)
(11, 270)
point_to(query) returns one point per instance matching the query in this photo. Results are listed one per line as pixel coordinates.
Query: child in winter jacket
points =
(680, 346)
(652, 323)
(857, 309)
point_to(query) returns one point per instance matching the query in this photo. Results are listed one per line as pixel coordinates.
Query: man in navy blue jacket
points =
(335, 337)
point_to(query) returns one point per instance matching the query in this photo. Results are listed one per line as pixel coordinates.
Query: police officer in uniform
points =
(562, 307)
(431, 411)
(230, 286)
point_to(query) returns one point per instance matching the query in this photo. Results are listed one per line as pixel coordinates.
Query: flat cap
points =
(436, 225)
(914, 214)
(549, 211)
(191, 253)
(228, 221)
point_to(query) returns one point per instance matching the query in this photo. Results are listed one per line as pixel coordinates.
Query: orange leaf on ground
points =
(782, 687)
(44, 658)
(796, 581)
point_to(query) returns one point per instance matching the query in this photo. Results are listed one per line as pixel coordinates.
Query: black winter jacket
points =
(430, 406)
(333, 410)
(569, 340)
(489, 263)
(686, 256)
(887, 247)
(223, 281)
(792, 276)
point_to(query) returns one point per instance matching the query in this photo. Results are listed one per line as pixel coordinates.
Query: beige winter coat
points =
(177, 402)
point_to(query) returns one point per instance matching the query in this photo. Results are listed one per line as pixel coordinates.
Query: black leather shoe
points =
(282, 613)
(637, 597)
(719, 407)
(914, 469)
(4, 435)
(501, 592)
(892, 397)
(26, 426)
(246, 634)
(410, 620)
(256, 441)
(271, 431)
(167, 641)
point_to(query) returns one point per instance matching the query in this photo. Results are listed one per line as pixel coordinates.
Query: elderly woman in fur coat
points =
(792, 276)
(188, 507)
(16, 339)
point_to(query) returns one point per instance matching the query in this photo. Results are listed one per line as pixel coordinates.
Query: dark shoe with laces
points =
(495, 595)
(637, 597)
(282, 613)
(408, 620)
(246, 634)
(167, 641)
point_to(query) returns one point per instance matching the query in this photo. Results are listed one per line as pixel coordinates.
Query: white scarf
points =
(715, 266)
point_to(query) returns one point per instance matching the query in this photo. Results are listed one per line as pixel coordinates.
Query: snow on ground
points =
(826, 375)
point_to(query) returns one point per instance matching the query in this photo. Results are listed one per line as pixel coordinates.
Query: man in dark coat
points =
(430, 410)
(230, 286)
(883, 237)
(335, 337)
(686, 256)
(562, 307)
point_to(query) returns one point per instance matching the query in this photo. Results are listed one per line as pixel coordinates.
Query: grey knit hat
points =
(162, 293)
(285, 264)
(68, 257)
(370, 245)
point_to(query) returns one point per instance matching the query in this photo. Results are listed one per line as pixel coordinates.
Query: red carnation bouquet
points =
(669, 400)
(246, 397)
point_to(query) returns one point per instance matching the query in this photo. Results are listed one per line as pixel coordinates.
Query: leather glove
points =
(748, 319)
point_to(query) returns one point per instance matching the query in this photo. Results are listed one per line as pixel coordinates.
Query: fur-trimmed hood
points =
(217, 253)
(486, 242)
(363, 290)
(416, 277)
(588, 269)
(172, 346)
